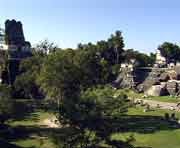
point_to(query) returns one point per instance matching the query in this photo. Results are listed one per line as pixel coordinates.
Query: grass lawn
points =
(155, 112)
(165, 99)
(27, 122)
(35, 142)
(159, 139)
(135, 95)
(34, 118)
(33, 135)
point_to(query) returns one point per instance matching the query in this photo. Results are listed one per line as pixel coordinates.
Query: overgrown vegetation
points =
(78, 84)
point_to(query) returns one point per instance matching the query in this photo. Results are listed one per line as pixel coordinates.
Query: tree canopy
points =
(170, 51)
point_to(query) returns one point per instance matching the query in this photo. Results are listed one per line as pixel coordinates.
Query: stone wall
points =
(152, 81)
(18, 49)
(14, 33)
(131, 78)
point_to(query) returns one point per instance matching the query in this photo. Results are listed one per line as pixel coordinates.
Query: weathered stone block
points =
(156, 90)
(172, 87)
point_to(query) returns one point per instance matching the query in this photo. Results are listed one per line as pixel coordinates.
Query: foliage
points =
(93, 69)
(141, 59)
(6, 103)
(59, 76)
(3, 60)
(116, 43)
(26, 83)
(94, 107)
(170, 51)
(45, 47)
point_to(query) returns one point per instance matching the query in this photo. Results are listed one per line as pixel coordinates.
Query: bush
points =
(166, 116)
(6, 103)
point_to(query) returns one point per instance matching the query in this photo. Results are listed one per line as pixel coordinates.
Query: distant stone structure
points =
(3, 45)
(160, 59)
(14, 33)
(12, 37)
(161, 79)
(12, 42)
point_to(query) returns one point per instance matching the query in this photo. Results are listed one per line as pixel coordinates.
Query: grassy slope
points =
(166, 99)
(35, 139)
(133, 94)
(159, 139)
(26, 119)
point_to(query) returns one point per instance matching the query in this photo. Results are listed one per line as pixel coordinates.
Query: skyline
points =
(144, 25)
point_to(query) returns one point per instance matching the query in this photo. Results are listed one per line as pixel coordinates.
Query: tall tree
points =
(116, 43)
(46, 46)
(170, 51)
(59, 76)
(6, 103)
(26, 85)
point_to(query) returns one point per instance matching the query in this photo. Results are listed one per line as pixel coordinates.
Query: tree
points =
(170, 51)
(6, 103)
(46, 46)
(59, 76)
(116, 43)
(4, 63)
(89, 63)
(78, 107)
(26, 85)
(141, 59)
(95, 106)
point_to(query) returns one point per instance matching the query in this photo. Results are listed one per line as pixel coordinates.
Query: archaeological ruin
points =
(161, 79)
(13, 48)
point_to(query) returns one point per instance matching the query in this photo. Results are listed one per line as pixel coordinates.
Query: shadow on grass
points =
(24, 111)
(140, 124)
(4, 144)
(102, 127)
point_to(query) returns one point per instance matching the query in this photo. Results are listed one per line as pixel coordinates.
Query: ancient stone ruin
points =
(14, 45)
(161, 79)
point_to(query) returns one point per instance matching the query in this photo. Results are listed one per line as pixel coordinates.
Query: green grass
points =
(135, 95)
(34, 118)
(130, 93)
(171, 99)
(36, 138)
(29, 121)
(36, 141)
(159, 139)
(155, 112)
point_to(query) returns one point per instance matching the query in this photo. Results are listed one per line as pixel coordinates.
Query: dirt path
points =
(162, 105)
(50, 123)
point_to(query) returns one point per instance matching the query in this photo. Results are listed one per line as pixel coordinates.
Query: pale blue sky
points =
(145, 23)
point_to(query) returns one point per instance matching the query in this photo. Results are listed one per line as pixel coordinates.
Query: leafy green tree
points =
(59, 76)
(46, 46)
(141, 59)
(4, 72)
(116, 44)
(26, 83)
(6, 103)
(170, 51)
(94, 107)
(89, 63)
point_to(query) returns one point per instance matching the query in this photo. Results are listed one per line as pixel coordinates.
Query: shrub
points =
(6, 103)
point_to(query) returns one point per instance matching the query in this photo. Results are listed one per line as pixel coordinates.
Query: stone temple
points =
(161, 79)
(160, 59)
(14, 45)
